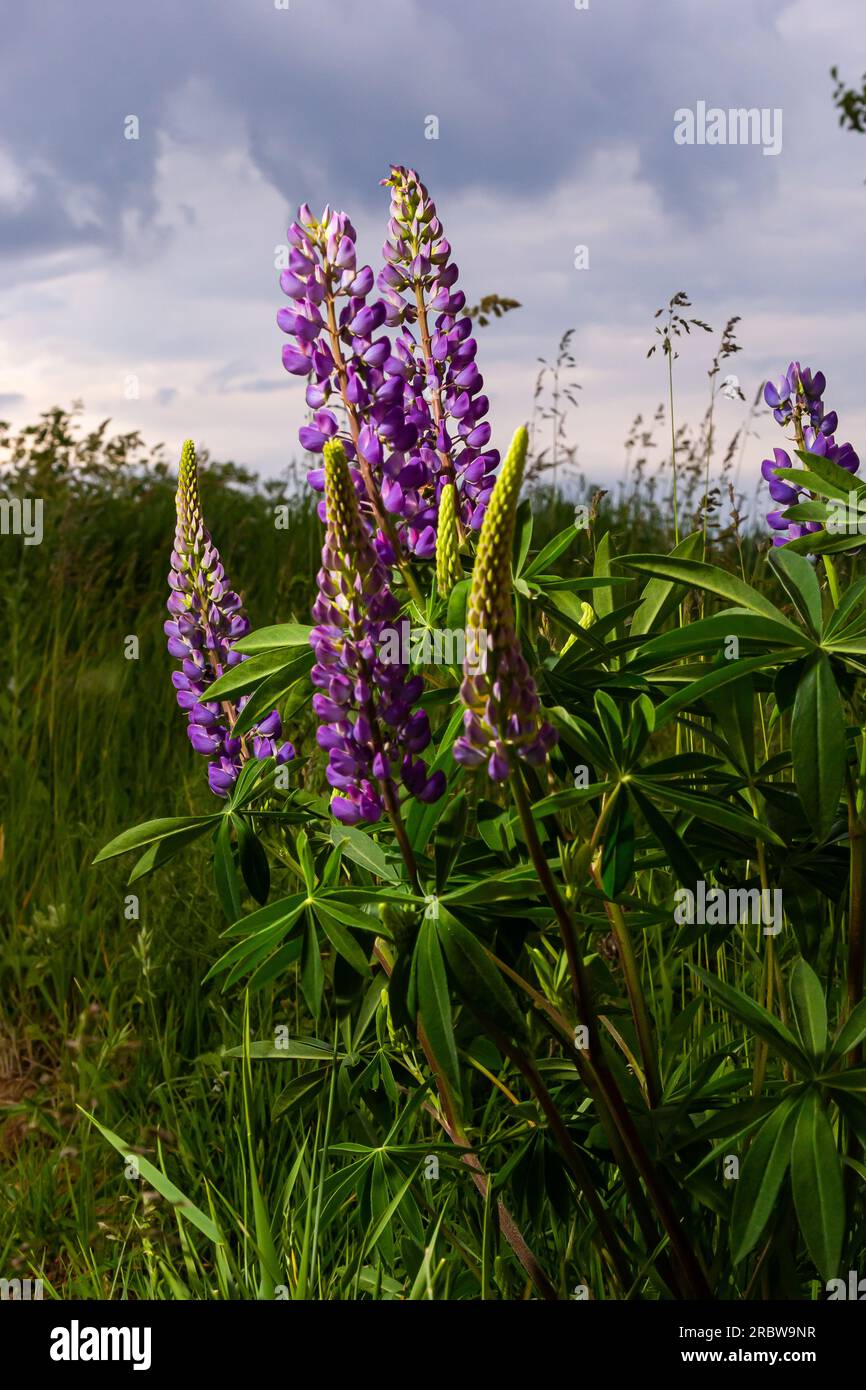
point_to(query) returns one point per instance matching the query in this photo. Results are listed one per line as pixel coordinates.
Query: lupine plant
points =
(576, 910)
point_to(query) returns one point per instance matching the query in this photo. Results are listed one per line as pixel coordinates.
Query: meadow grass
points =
(105, 1014)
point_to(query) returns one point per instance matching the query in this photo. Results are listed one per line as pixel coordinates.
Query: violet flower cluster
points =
(363, 702)
(412, 410)
(206, 619)
(797, 401)
(443, 394)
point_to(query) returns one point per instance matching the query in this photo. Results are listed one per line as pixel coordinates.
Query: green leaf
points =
(551, 552)
(816, 1179)
(761, 1175)
(450, 835)
(617, 856)
(800, 583)
(756, 1018)
(363, 850)
(252, 673)
(522, 535)
(476, 977)
(715, 812)
(434, 1001)
(851, 1034)
(685, 866)
(810, 1009)
(661, 596)
(601, 569)
(833, 474)
(342, 941)
(818, 743)
(160, 1183)
(159, 852)
(266, 639)
(717, 677)
(152, 830)
(225, 874)
(699, 575)
(286, 1050)
(312, 973)
(253, 860)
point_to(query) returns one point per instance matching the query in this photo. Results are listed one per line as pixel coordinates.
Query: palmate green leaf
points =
(476, 978)
(757, 1019)
(263, 931)
(697, 574)
(160, 1183)
(818, 743)
(152, 830)
(816, 1179)
(809, 1007)
(434, 1001)
(761, 1176)
(610, 721)
(282, 635)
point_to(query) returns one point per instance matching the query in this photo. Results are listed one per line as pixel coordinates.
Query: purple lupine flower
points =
(337, 345)
(442, 386)
(206, 619)
(797, 400)
(503, 711)
(364, 700)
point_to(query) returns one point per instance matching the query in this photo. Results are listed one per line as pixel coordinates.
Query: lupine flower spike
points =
(448, 568)
(364, 701)
(502, 715)
(797, 401)
(206, 620)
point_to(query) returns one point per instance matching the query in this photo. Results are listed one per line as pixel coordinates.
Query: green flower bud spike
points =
(502, 715)
(448, 568)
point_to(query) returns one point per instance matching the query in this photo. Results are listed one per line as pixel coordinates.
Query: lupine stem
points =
(694, 1277)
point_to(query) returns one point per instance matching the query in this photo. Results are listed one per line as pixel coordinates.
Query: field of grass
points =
(104, 1009)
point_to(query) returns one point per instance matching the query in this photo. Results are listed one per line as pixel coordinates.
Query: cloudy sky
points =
(151, 261)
